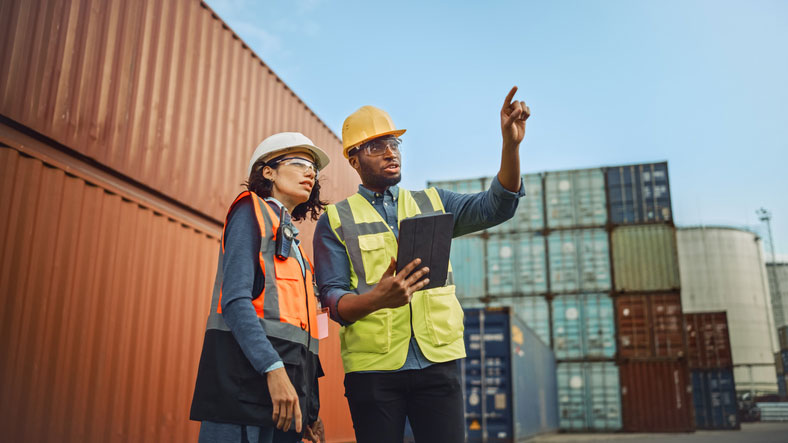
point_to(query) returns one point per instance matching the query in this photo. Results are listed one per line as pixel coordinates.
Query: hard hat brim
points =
(396, 132)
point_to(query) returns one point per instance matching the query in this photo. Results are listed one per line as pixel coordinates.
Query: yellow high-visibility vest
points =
(379, 341)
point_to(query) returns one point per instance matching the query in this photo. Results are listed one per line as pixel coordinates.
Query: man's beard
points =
(372, 180)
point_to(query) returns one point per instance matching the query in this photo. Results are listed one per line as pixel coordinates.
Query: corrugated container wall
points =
(164, 104)
(530, 210)
(722, 269)
(161, 92)
(103, 312)
(645, 258)
(579, 260)
(656, 396)
(534, 311)
(516, 264)
(583, 326)
(575, 198)
(509, 379)
(639, 194)
(708, 342)
(782, 334)
(589, 396)
(650, 326)
(778, 288)
(468, 266)
(714, 398)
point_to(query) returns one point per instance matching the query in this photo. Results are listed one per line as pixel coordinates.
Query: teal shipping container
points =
(533, 310)
(589, 396)
(466, 186)
(579, 260)
(516, 264)
(467, 261)
(583, 326)
(576, 198)
(530, 209)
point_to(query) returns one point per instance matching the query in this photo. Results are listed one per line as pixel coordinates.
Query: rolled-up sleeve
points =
(332, 268)
(474, 212)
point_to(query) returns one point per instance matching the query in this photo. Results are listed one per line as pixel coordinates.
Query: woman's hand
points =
(284, 399)
(315, 432)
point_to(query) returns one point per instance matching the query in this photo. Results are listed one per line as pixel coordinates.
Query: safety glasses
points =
(302, 165)
(378, 146)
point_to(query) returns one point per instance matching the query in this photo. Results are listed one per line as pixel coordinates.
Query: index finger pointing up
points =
(509, 98)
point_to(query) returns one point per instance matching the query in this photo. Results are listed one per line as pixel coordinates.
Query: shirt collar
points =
(392, 191)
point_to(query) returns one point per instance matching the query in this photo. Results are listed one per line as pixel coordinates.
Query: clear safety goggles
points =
(378, 146)
(301, 164)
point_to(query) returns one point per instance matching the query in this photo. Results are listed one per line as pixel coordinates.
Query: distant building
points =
(778, 288)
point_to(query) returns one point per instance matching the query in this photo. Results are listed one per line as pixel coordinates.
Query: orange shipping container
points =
(649, 326)
(656, 396)
(708, 342)
(162, 92)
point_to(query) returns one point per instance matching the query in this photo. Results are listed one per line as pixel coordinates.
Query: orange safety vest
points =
(228, 388)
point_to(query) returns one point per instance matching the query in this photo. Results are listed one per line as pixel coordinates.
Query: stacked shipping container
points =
(553, 261)
(711, 368)
(781, 361)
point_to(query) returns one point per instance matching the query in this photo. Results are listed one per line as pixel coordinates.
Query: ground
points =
(750, 433)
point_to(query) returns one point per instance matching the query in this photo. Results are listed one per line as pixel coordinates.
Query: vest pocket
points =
(374, 256)
(370, 334)
(444, 316)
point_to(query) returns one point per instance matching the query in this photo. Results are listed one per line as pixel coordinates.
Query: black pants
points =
(431, 399)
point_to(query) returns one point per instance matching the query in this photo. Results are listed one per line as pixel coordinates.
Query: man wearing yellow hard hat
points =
(400, 343)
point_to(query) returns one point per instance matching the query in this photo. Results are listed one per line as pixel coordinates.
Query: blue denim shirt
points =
(472, 212)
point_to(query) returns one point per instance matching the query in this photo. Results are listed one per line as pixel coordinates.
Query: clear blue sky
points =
(701, 84)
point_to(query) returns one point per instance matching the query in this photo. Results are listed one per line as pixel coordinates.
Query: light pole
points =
(765, 216)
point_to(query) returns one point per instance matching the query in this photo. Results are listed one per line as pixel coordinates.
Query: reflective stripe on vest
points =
(380, 340)
(287, 305)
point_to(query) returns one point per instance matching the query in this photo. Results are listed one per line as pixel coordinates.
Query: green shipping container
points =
(645, 258)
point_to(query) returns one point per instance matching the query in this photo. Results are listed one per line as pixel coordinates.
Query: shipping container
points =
(575, 198)
(465, 186)
(777, 275)
(708, 344)
(722, 269)
(656, 396)
(650, 326)
(783, 337)
(583, 326)
(530, 209)
(589, 396)
(778, 363)
(533, 310)
(468, 266)
(784, 359)
(162, 92)
(99, 254)
(516, 264)
(639, 194)
(645, 258)
(579, 260)
(714, 398)
(782, 385)
(509, 379)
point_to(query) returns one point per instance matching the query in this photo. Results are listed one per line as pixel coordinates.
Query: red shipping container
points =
(650, 326)
(708, 342)
(656, 396)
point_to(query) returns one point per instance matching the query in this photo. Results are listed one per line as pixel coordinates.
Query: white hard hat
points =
(285, 141)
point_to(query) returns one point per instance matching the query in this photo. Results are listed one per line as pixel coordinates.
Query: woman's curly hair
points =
(262, 187)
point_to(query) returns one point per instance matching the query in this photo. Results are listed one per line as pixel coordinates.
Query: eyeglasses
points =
(301, 164)
(378, 146)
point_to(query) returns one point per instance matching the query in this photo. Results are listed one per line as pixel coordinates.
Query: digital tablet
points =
(427, 237)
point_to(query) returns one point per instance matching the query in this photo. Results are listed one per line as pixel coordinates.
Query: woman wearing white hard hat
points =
(257, 379)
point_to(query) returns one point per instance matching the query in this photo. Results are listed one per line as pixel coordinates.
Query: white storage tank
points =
(723, 269)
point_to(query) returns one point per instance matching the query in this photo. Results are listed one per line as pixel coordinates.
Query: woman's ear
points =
(269, 173)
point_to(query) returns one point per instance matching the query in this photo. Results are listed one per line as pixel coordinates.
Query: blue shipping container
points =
(575, 198)
(533, 310)
(516, 264)
(714, 397)
(589, 396)
(530, 210)
(782, 385)
(639, 193)
(509, 378)
(583, 326)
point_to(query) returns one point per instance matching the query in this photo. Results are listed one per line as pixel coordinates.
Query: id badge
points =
(322, 323)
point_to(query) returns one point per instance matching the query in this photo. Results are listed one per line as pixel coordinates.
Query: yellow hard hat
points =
(366, 123)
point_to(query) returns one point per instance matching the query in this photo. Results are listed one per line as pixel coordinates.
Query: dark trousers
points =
(431, 399)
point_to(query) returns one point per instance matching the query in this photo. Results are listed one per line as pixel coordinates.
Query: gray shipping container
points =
(509, 379)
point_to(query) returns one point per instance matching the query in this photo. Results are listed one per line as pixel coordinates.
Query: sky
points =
(702, 85)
